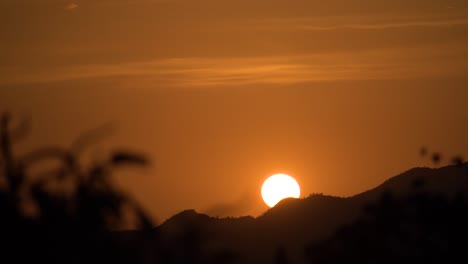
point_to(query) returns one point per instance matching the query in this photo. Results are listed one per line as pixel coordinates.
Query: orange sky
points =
(222, 94)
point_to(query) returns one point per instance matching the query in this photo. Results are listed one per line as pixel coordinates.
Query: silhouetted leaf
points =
(124, 158)
(423, 151)
(145, 222)
(90, 137)
(436, 157)
(21, 129)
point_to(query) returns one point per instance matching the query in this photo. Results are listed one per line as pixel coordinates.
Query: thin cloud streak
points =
(404, 63)
(351, 23)
(458, 22)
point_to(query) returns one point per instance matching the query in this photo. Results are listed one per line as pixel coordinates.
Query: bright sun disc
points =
(278, 187)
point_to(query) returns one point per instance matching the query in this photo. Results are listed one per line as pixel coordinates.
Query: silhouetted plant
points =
(68, 226)
(436, 158)
(423, 151)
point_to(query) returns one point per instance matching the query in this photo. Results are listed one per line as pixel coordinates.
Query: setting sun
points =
(278, 187)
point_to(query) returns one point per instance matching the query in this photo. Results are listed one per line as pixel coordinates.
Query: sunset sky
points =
(339, 94)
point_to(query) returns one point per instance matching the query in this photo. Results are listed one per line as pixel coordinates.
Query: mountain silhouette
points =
(293, 224)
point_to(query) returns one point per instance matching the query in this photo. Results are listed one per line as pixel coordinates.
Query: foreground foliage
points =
(62, 215)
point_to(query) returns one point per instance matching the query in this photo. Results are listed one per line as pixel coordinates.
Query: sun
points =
(278, 187)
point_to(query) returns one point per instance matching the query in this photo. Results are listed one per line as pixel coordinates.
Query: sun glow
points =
(278, 187)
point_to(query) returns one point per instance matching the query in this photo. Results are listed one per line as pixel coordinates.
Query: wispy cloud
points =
(357, 23)
(242, 206)
(71, 6)
(275, 70)
(442, 23)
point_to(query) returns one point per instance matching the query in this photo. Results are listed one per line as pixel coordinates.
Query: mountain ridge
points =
(293, 223)
(417, 177)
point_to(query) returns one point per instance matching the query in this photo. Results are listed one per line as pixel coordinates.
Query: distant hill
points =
(446, 180)
(294, 223)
